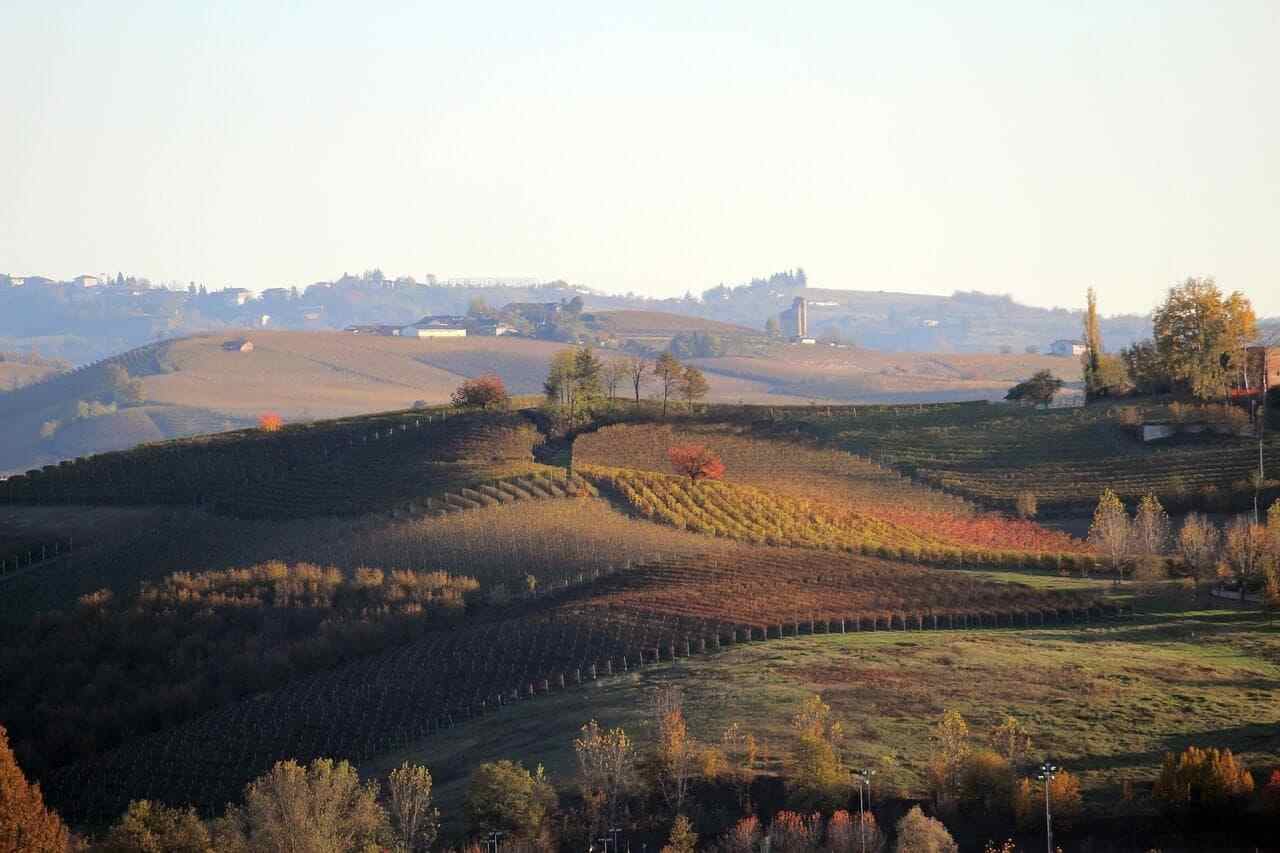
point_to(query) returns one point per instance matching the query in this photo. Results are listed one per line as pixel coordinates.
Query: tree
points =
(951, 739)
(616, 371)
(26, 826)
(676, 752)
(745, 836)
(270, 422)
(148, 827)
(502, 796)
(638, 373)
(1064, 793)
(414, 820)
(320, 807)
(818, 776)
(848, 833)
(668, 371)
(1202, 780)
(683, 839)
(1026, 504)
(1039, 389)
(573, 381)
(696, 461)
(1152, 534)
(120, 387)
(791, 832)
(482, 392)
(1199, 543)
(1011, 740)
(985, 784)
(771, 327)
(606, 765)
(1111, 532)
(919, 833)
(1200, 336)
(693, 386)
(1245, 549)
(1092, 357)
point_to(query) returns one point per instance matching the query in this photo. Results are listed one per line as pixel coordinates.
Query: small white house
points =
(443, 326)
(1065, 347)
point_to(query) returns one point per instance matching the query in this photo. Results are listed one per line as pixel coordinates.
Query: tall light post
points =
(1048, 772)
(864, 778)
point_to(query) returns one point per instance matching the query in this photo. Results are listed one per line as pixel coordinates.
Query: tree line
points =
(701, 795)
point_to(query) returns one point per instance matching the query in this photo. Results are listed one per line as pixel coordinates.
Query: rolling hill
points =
(196, 385)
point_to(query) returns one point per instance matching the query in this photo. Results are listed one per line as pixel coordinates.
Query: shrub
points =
(483, 392)
(270, 422)
(919, 833)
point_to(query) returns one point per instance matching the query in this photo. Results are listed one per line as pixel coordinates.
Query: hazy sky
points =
(1030, 148)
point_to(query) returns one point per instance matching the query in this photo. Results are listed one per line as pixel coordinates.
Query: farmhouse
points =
(437, 326)
(1067, 347)
(490, 328)
(382, 329)
(238, 345)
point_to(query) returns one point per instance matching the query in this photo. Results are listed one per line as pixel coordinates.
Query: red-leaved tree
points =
(696, 461)
(270, 422)
(482, 392)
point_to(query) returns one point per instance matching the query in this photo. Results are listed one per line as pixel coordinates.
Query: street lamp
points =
(864, 778)
(1048, 772)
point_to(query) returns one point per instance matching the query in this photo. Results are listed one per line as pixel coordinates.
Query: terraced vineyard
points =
(655, 610)
(1066, 457)
(876, 507)
(342, 467)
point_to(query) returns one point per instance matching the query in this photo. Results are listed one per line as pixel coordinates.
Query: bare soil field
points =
(851, 375)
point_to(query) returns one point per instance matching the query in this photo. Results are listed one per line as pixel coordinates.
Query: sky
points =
(1011, 147)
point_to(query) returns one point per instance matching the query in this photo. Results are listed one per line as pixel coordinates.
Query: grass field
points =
(1104, 702)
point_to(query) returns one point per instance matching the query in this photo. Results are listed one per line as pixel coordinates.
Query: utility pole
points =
(1048, 772)
(864, 778)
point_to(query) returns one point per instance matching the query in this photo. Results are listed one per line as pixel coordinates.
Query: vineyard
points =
(655, 610)
(880, 507)
(991, 453)
(758, 517)
(342, 467)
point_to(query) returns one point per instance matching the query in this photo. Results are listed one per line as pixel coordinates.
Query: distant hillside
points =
(82, 324)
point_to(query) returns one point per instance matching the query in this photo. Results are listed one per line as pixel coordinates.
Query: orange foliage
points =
(984, 530)
(25, 824)
(696, 461)
(270, 422)
(483, 392)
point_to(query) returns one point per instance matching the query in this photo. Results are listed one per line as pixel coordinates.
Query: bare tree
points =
(668, 372)
(638, 372)
(676, 751)
(616, 371)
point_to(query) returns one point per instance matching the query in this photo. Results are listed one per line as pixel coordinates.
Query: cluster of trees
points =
(579, 381)
(85, 679)
(1245, 551)
(1197, 346)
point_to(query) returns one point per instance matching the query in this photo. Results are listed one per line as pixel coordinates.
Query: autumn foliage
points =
(696, 461)
(483, 392)
(270, 422)
(26, 826)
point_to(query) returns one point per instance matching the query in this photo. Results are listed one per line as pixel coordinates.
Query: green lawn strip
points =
(1105, 702)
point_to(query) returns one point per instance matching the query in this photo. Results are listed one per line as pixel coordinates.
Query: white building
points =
(444, 326)
(1066, 347)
